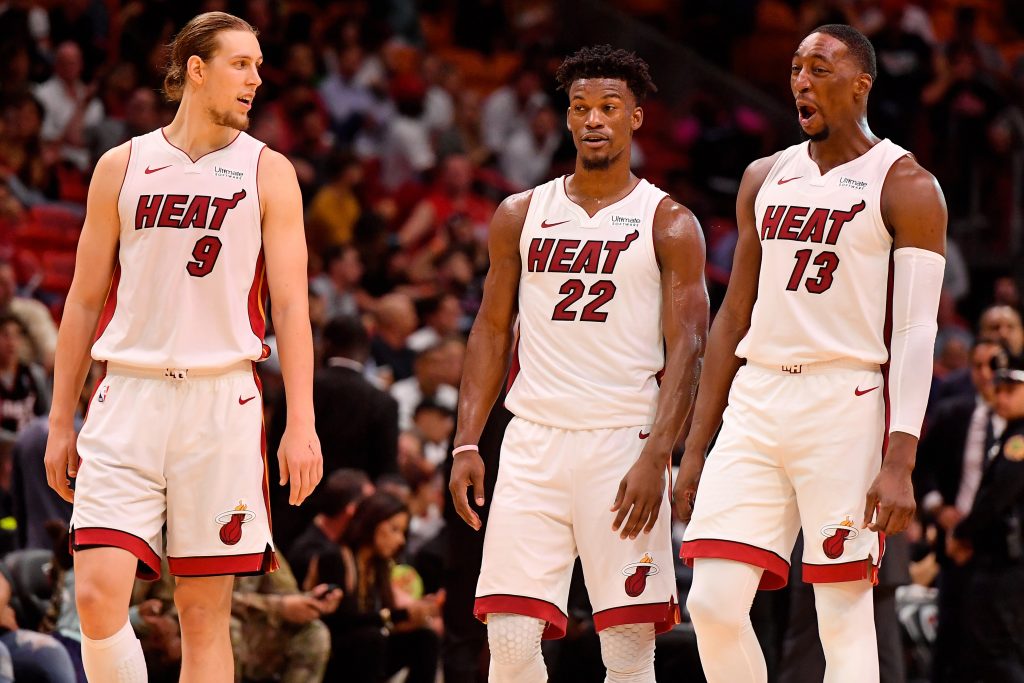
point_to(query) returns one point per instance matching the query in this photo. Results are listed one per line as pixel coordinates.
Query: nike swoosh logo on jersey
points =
(858, 392)
(783, 181)
(154, 170)
(644, 436)
(243, 401)
(545, 224)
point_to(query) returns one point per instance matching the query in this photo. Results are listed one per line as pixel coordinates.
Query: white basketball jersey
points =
(590, 342)
(190, 282)
(824, 286)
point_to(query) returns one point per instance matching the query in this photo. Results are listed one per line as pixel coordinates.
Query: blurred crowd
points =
(408, 121)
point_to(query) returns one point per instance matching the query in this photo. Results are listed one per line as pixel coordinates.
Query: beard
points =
(229, 119)
(602, 163)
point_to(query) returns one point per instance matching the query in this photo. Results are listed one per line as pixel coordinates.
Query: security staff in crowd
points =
(991, 538)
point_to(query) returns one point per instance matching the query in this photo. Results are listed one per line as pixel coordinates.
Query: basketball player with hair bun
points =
(186, 228)
(605, 274)
(832, 303)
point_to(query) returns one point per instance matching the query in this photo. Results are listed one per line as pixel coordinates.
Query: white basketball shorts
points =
(799, 448)
(551, 502)
(186, 455)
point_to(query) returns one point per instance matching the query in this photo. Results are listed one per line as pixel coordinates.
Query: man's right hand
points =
(467, 471)
(61, 461)
(685, 490)
(299, 608)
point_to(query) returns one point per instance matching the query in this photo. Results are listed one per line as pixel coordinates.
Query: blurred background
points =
(408, 121)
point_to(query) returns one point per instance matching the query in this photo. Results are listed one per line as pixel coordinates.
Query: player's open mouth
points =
(247, 101)
(806, 112)
(593, 141)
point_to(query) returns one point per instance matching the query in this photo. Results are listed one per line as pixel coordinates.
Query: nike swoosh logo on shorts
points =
(858, 392)
(783, 181)
(242, 401)
(644, 436)
(545, 224)
(154, 170)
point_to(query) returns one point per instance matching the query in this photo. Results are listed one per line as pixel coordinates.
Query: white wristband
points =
(463, 449)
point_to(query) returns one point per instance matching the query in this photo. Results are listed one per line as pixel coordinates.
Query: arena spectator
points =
(442, 318)
(525, 159)
(276, 631)
(427, 383)
(510, 108)
(23, 390)
(406, 153)
(336, 501)
(339, 284)
(357, 423)
(396, 320)
(36, 320)
(334, 210)
(374, 635)
(71, 106)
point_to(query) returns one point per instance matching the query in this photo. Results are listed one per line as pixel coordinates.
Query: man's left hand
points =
(892, 494)
(300, 461)
(640, 495)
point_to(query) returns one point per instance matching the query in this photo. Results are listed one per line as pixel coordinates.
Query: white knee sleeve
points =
(514, 641)
(628, 653)
(719, 606)
(117, 659)
(846, 625)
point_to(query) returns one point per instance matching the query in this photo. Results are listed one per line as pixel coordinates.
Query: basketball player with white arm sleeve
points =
(606, 275)
(832, 302)
(186, 228)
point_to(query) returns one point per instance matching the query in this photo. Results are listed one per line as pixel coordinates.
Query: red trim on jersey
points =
(164, 134)
(845, 571)
(664, 615)
(257, 296)
(111, 303)
(220, 565)
(513, 370)
(776, 569)
(528, 607)
(99, 537)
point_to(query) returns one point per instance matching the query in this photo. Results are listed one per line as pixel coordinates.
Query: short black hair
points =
(345, 335)
(604, 61)
(341, 488)
(856, 42)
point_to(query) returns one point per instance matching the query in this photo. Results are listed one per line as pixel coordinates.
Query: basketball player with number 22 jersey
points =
(832, 303)
(186, 229)
(606, 274)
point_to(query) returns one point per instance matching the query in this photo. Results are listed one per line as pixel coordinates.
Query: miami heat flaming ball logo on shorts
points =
(835, 537)
(231, 523)
(636, 575)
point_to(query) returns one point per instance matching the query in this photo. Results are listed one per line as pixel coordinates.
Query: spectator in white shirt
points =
(71, 106)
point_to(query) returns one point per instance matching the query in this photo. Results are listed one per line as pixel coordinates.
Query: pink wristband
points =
(463, 449)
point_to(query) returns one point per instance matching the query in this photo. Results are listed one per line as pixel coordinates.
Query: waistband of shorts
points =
(177, 374)
(838, 365)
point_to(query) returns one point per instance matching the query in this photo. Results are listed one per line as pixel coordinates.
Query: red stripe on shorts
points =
(528, 607)
(98, 537)
(664, 615)
(776, 569)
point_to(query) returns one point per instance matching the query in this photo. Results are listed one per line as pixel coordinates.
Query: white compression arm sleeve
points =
(917, 284)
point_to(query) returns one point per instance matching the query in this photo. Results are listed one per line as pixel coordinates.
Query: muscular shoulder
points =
(514, 207)
(673, 221)
(678, 236)
(913, 207)
(757, 171)
(508, 220)
(907, 180)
